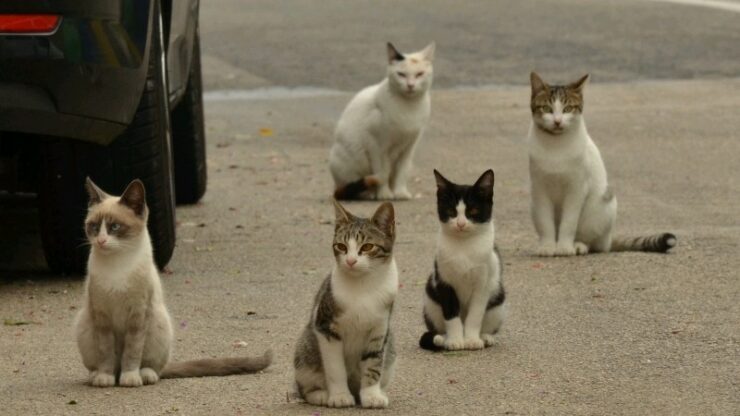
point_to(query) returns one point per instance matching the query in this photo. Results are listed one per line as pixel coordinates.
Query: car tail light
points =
(28, 23)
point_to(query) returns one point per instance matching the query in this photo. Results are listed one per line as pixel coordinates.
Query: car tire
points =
(189, 137)
(142, 151)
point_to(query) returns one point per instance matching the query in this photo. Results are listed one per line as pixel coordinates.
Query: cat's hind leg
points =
(492, 320)
(97, 349)
(597, 222)
(309, 373)
(157, 346)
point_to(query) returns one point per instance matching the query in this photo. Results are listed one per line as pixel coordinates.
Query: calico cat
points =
(123, 330)
(464, 298)
(377, 134)
(573, 207)
(346, 354)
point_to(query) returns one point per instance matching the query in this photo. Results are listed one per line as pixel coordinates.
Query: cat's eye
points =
(567, 108)
(473, 211)
(546, 109)
(340, 247)
(419, 74)
(366, 247)
(401, 74)
(115, 226)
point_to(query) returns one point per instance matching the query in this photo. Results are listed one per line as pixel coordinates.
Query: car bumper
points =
(82, 81)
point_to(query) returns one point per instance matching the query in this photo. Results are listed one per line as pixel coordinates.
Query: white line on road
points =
(712, 4)
(269, 93)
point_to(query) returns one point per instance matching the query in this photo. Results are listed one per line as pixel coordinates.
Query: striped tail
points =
(354, 190)
(217, 366)
(657, 243)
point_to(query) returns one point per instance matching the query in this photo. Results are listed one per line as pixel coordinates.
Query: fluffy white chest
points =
(468, 265)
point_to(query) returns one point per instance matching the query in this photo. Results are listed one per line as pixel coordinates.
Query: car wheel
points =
(189, 138)
(142, 151)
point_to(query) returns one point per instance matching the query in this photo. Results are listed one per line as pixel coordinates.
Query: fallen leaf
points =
(451, 381)
(266, 132)
(222, 145)
(251, 313)
(239, 344)
(597, 295)
(239, 226)
(13, 322)
(538, 266)
(72, 402)
(201, 225)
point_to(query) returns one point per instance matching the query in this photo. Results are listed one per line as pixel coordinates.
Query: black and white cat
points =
(464, 299)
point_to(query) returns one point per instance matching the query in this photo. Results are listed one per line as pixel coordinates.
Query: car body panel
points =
(85, 80)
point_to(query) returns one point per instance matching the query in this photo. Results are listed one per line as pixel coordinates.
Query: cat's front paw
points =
(402, 194)
(373, 398)
(581, 248)
(474, 344)
(565, 250)
(343, 399)
(98, 379)
(148, 376)
(450, 344)
(545, 249)
(131, 379)
(384, 193)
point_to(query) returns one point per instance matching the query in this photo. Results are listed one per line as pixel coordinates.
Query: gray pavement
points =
(628, 333)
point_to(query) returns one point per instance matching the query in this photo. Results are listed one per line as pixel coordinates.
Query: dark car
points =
(109, 89)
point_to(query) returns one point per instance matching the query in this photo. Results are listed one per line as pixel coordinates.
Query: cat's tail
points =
(354, 190)
(217, 366)
(656, 243)
(427, 342)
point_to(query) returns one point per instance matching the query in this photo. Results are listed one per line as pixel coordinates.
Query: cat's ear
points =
(393, 54)
(538, 85)
(341, 214)
(428, 52)
(134, 197)
(96, 195)
(485, 182)
(385, 218)
(578, 85)
(442, 182)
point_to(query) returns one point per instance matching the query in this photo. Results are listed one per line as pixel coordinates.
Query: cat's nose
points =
(351, 261)
(461, 224)
(102, 241)
(557, 121)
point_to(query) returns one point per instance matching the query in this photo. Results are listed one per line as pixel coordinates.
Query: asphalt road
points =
(627, 334)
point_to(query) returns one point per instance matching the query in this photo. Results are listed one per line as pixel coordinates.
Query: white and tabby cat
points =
(346, 353)
(464, 298)
(123, 329)
(573, 208)
(377, 134)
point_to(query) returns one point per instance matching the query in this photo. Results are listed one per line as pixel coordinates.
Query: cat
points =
(464, 298)
(123, 330)
(377, 134)
(573, 208)
(346, 353)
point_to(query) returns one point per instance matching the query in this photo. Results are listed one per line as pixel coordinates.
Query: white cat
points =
(573, 208)
(377, 134)
(123, 329)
